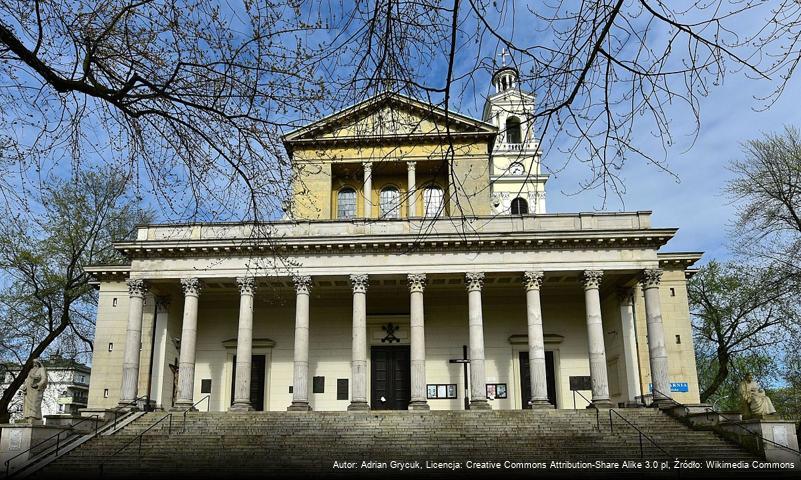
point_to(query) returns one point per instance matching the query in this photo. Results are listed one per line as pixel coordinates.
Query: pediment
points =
(386, 116)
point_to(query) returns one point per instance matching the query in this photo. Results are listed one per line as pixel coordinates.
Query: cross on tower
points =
(503, 55)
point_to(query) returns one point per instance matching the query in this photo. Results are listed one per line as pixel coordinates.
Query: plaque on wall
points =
(318, 385)
(580, 383)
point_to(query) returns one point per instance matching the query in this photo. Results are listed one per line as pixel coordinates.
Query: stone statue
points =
(755, 403)
(33, 390)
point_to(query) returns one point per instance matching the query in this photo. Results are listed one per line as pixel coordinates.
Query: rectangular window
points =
(672, 292)
(114, 302)
(105, 393)
(110, 346)
(678, 339)
(342, 388)
(318, 385)
(205, 385)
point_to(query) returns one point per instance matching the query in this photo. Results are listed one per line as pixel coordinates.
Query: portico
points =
(326, 323)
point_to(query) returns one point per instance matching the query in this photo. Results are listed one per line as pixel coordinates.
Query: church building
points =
(417, 267)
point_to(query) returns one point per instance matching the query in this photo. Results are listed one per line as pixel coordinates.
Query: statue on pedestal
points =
(33, 390)
(755, 403)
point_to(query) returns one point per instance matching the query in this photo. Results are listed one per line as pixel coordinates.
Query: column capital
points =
(359, 282)
(651, 278)
(162, 304)
(247, 285)
(474, 281)
(417, 282)
(191, 286)
(592, 278)
(411, 165)
(532, 280)
(303, 284)
(368, 166)
(137, 287)
(625, 296)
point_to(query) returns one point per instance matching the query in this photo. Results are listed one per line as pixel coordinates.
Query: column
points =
(595, 335)
(657, 352)
(159, 367)
(532, 281)
(478, 379)
(417, 283)
(411, 183)
(137, 288)
(300, 379)
(244, 345)
(186, 358)
(358, 398)
(630, 355)
(368, 190)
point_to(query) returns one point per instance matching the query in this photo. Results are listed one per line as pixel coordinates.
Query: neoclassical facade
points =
(416, 268)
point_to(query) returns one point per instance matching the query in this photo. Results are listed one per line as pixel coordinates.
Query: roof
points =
(458, 124)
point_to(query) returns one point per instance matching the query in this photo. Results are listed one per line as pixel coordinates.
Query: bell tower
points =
(517, 184)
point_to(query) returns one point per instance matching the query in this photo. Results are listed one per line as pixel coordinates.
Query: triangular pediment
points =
(386, 116)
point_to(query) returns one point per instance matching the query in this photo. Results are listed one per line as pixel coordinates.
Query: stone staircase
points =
(263, 443)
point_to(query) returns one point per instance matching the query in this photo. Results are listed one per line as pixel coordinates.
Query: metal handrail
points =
(592, 405)
(708, 410)
(57, 436)
(640, 432)
(208, 407)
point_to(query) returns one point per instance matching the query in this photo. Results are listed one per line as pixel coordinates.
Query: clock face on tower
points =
(517, 168)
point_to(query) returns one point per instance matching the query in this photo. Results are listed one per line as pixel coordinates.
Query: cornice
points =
(399, 243)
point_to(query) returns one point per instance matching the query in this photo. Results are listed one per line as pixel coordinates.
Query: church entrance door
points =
(257, 369)
(525, 379)
(390, 381)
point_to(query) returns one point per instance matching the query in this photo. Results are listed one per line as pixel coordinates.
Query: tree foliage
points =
(741, 318)
(47, 302)
(767, 189)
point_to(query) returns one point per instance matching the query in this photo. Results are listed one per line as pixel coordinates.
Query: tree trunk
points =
(720, 377)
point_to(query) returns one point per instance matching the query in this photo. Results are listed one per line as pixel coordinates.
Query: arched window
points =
(389, 202)
(519, 206)
(432, 201)
(513, 130)
(346, 203)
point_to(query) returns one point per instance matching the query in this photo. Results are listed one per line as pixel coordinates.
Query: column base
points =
(183, 407)
(299, 407)
(241, 407)
(663, 403)
(480, 405)
(419, 405)
(359, 407)
(541, 405)
(602, 403)
(127, 407)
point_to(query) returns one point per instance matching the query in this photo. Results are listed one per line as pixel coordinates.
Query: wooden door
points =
(390, 380)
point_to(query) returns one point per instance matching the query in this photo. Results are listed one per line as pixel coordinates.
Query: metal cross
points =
(503, 55)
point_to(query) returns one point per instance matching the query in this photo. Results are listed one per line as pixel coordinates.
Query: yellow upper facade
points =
(383, 145)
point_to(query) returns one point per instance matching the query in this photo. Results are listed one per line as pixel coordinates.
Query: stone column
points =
(411, 182)
(595, 335)
(137, 288)
(368, 190)
(300, 379)
(358, 400)
(532, 281)
(244, 345)
(186, 359)
(478, 379)
(657, 351)
(630, 344)
(160, 351)
(417, 283)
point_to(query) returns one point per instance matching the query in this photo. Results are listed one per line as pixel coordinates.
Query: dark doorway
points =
(257, 369)
(390, 373)
(525, 379)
